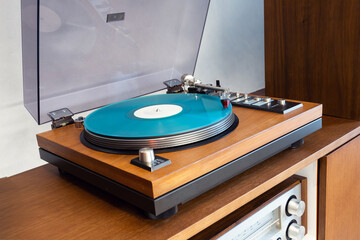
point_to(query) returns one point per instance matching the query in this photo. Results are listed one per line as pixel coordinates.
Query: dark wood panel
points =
(339, 193)
(39, 204)
(312, 53)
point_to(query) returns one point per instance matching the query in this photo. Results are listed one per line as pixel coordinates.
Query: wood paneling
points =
(186, 164)
(312, 53)
(339, 193)
(39, 204)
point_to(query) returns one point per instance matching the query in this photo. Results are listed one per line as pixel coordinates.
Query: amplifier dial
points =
(295, 231)
(295, 207)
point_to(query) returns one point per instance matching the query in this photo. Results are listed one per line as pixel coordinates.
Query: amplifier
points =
(278, 214)
(279, 219)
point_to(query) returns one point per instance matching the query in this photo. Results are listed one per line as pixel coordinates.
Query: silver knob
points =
(282, 101)
(146, 156)
(267, 99)
(296, 231)
(258, 98)
(237, 94)
(296, 207)
(246, 95)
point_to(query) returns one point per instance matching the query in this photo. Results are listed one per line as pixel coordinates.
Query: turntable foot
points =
(297, 143)
(63, 173)
(166, 214)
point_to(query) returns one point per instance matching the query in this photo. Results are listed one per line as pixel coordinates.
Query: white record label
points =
(158, 111)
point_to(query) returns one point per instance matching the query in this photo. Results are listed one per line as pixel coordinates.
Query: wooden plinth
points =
(255, 129)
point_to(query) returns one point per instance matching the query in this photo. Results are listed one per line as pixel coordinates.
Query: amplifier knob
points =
(295, 231)
(295, 207)
(146, 156)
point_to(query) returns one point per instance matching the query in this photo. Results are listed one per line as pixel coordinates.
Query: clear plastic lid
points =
(83, 54)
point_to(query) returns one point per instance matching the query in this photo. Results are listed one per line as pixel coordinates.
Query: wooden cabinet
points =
(339, 193)
(312, 53)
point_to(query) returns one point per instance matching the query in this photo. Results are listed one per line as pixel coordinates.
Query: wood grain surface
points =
(39, 204)
(255, 129)
(312, 53)
(339, 193)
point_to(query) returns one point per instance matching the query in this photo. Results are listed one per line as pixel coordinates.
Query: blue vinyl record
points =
(157, 115)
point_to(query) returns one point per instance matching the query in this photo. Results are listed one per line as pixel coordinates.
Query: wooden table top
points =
(39, 204)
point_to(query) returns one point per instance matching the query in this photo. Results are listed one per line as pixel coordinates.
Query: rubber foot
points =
(166, 214)
(297, 143)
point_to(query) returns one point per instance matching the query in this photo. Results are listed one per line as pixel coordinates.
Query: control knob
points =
(295, 231)
(267, 99)
(295, 207)
(282, 101)
(146, 156)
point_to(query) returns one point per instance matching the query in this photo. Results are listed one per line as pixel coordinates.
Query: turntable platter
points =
(158, 121)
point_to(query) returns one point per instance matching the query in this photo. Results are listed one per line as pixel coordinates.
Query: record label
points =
(158, 111)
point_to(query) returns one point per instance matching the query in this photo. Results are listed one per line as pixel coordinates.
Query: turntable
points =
(157, 151)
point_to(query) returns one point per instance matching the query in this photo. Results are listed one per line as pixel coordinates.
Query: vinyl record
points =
(158, 121)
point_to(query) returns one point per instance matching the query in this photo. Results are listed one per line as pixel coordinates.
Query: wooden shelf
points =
(38, 204)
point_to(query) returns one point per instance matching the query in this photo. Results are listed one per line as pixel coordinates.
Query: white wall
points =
(18, 148)
(232, 49)
(224, 55)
